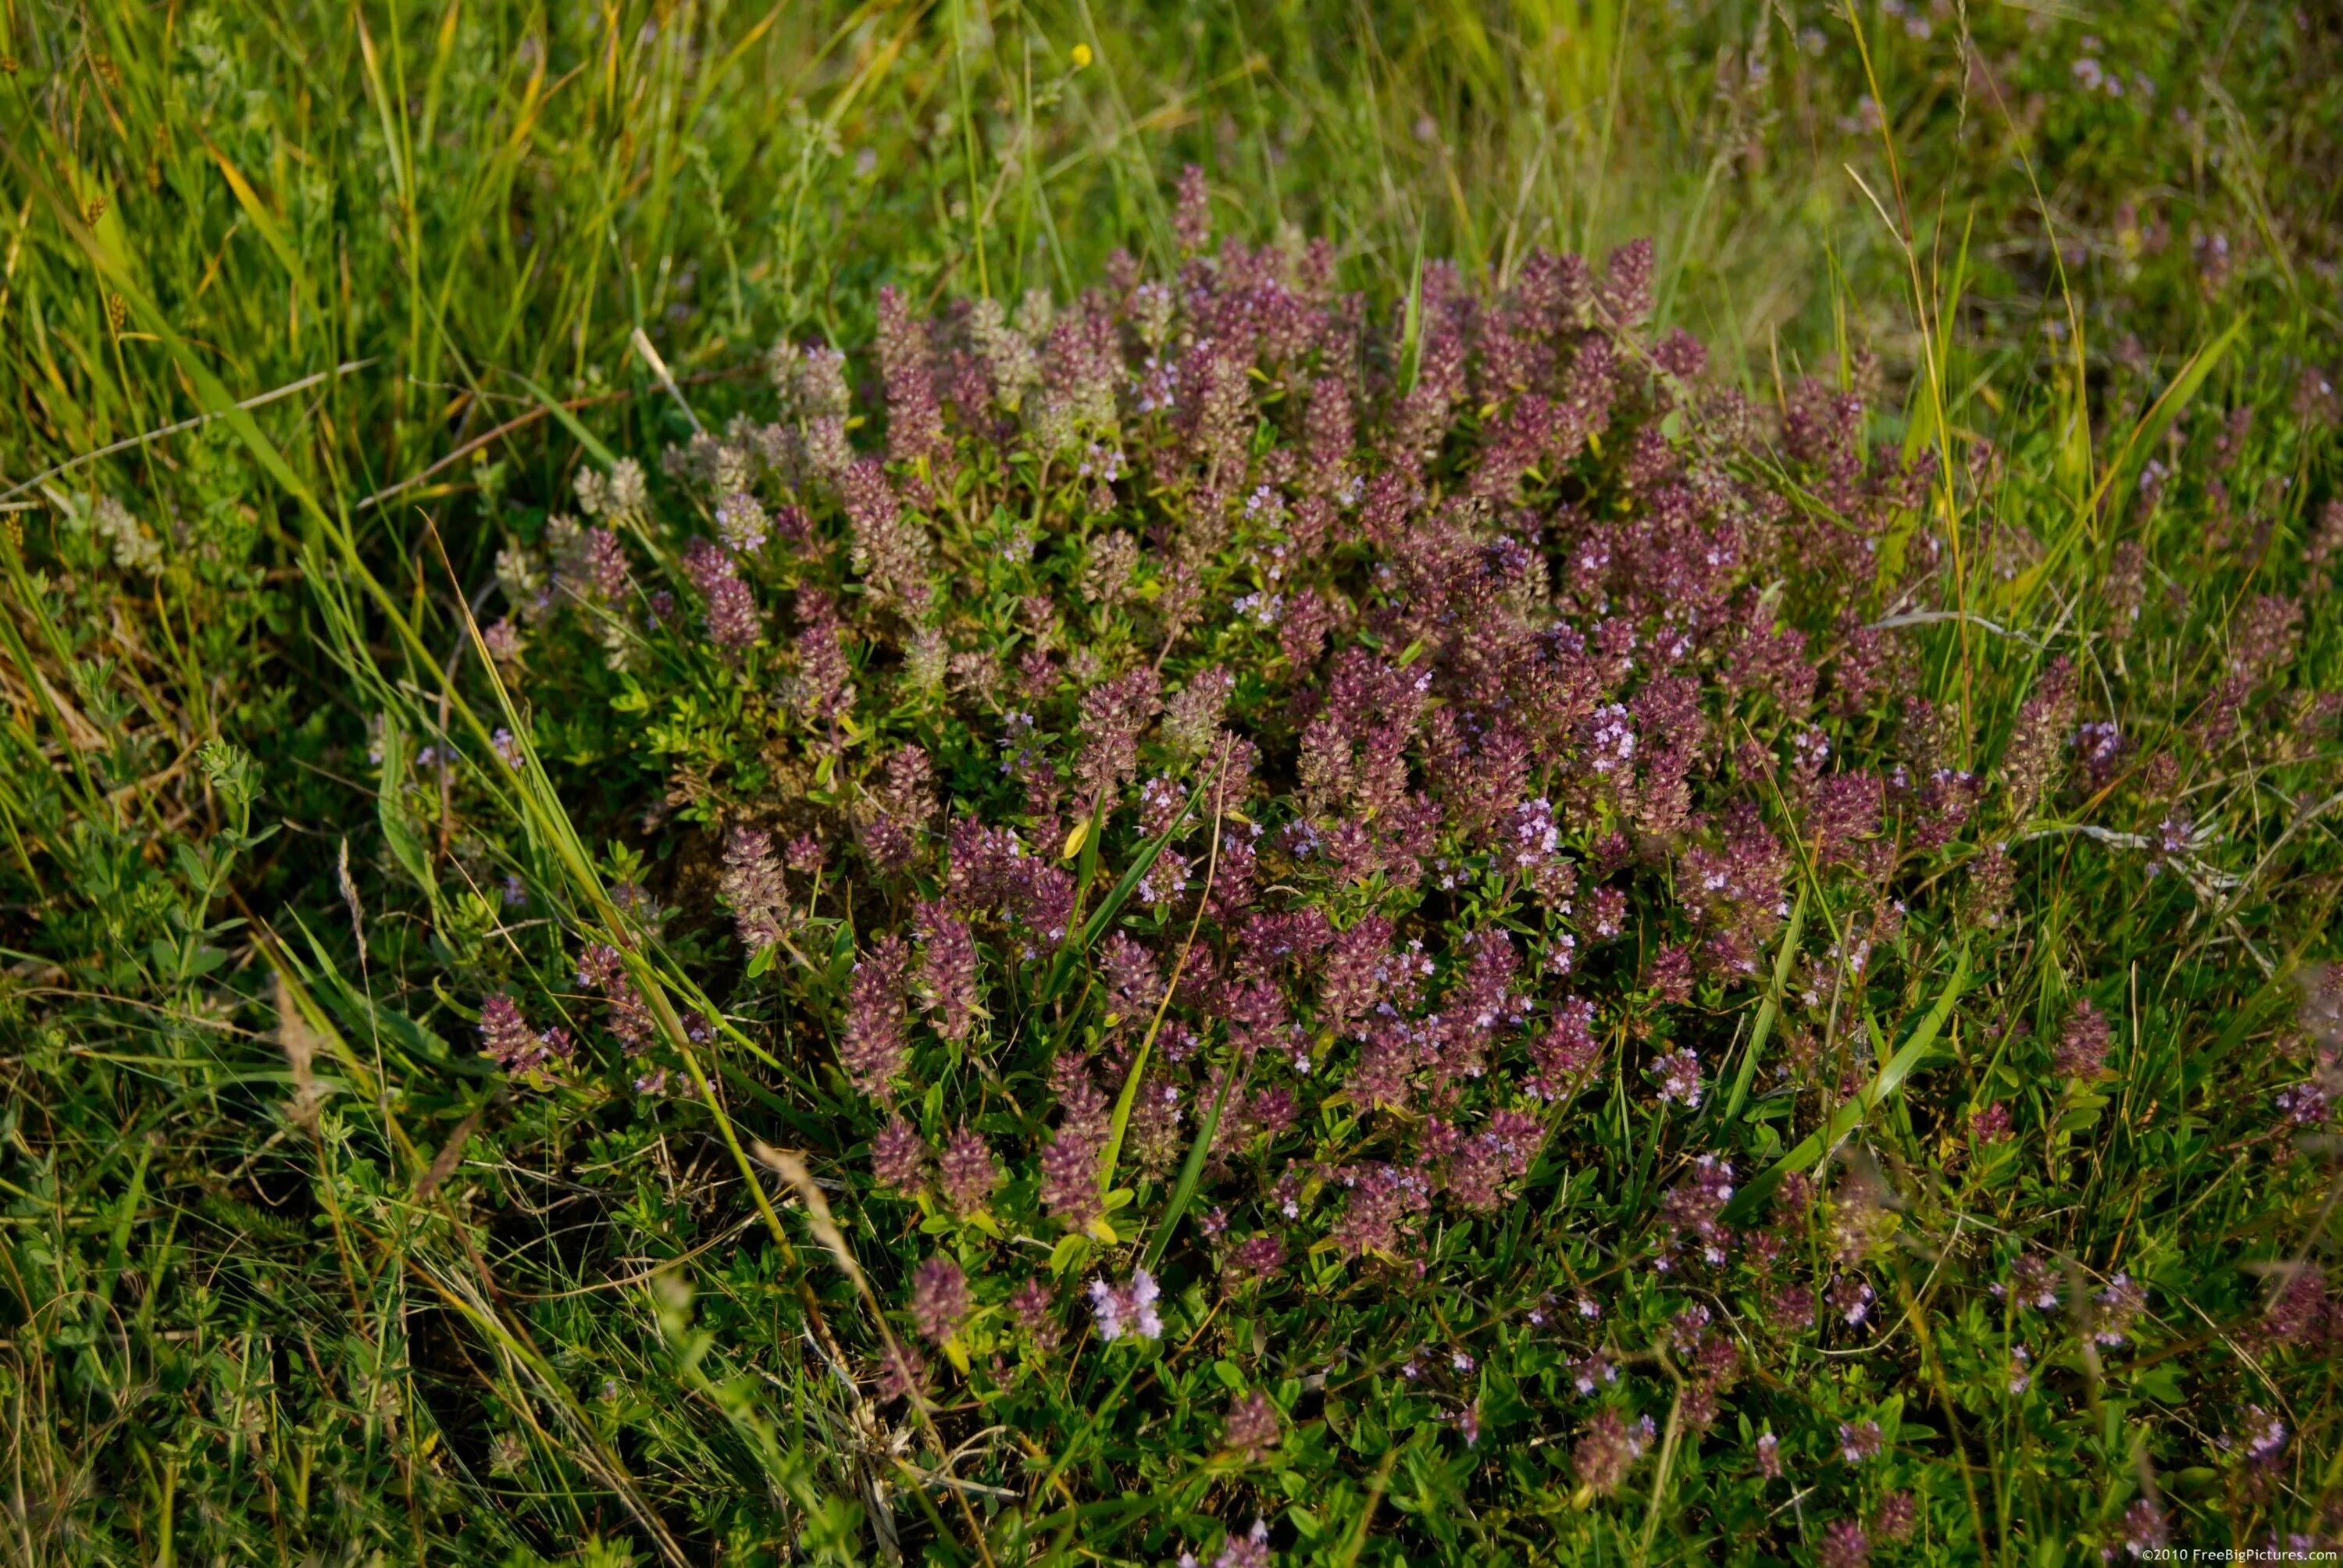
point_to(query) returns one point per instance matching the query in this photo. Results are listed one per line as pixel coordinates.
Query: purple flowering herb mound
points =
(1319, 878)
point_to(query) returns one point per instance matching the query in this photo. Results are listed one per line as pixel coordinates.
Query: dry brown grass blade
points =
(786, 1164)
(300, 1044)
(450, 1155)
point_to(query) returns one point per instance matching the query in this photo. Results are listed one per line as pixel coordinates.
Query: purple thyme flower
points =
(891, 548)
(1069, 1166)
(2304, 1104)
(506, 1036)
(1254, 1259)
(1251, 1428)
(914, 420)
(1610, 740)
(965, 1170)
(753, 886)
(2083, 1045)
(1679, 1075)
(2261, 1436)
(2032, 1283)
(1250, 1550)
(1128, 1308)
(740, 522)
(1192, 219)
(1608, 1448)
(873, 1047)
(2144, 1528)
(939, 1302)
(2115, 1308)
(948, 969)
(1851, 1298)
(1592, 1371)
(733, 624)
(898, 1157)
(1789, 1308)
(1693, 1209)
(1845, 1545)
(1036, 1312)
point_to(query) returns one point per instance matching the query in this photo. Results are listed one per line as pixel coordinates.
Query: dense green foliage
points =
(1984, 871)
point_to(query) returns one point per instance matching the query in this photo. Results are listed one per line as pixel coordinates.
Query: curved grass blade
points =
(1077, 941)
(1850, 1116)
(1191, 1171)
(1768, 1012)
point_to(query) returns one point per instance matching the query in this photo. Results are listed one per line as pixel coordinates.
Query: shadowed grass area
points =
(312, 321)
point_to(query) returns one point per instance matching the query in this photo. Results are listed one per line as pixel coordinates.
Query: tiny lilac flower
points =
(1128, 1309)
(2262, 1436)
(898, 1157)
(1679, 1074)
(1859, 1440)
(1250, 1550)
(1611, 740)
(2117, 1308)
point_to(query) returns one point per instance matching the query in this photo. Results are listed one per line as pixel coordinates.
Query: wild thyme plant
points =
(1416, 919)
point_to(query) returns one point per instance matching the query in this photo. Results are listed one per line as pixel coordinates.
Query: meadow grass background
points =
(411, 228)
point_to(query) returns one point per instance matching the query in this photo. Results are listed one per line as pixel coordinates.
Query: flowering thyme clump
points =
(1383, 828)
(1035, 1312)
(2144, 1528)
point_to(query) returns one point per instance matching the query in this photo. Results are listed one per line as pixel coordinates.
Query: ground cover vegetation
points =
(1305, 783)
